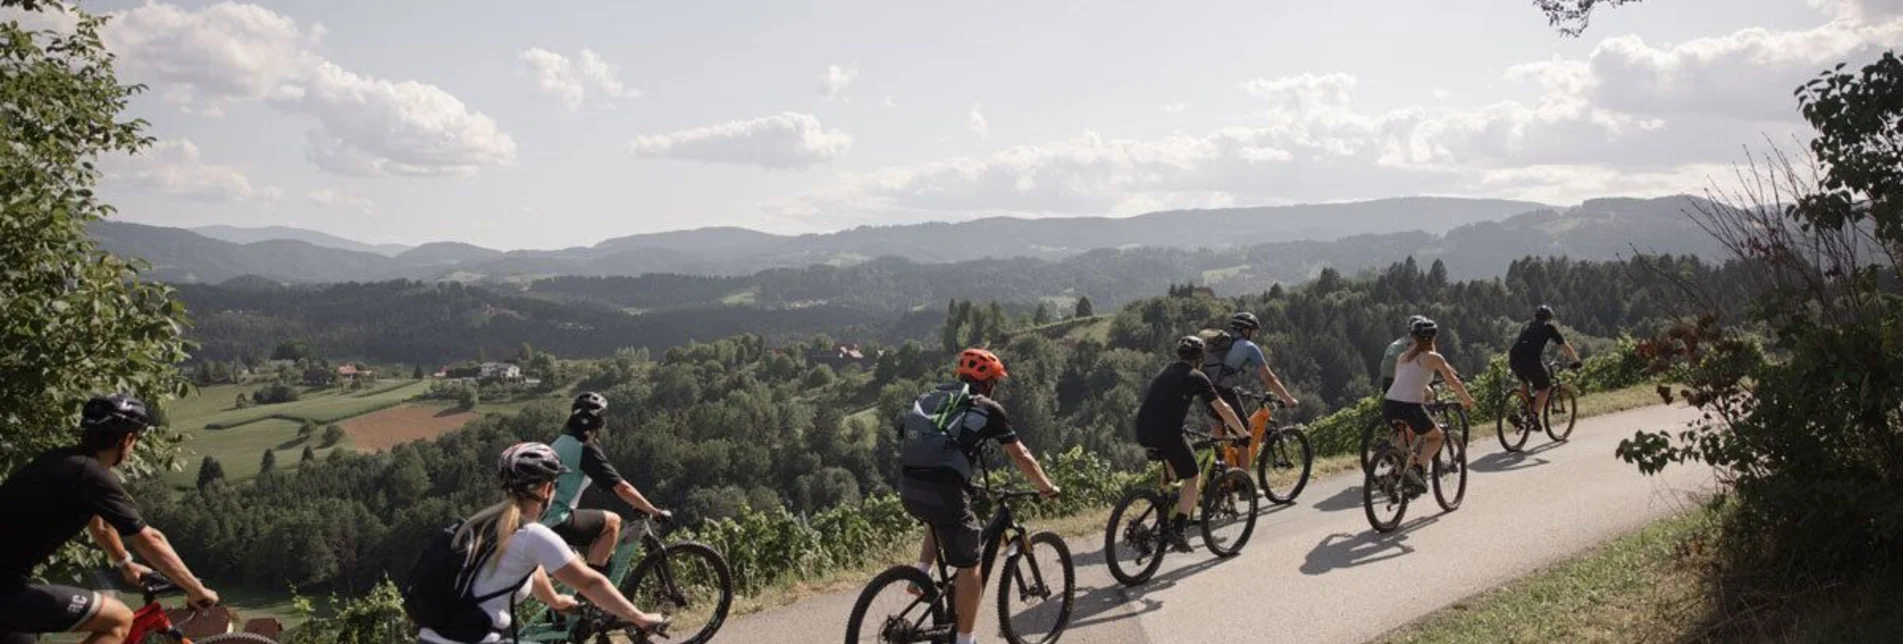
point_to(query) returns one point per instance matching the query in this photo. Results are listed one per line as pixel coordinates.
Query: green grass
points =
(741, 297)
(1216, 276)
(324, 406)
(241, 449)
(247, 432)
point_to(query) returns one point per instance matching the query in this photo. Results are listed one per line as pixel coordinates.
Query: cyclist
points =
(1166, 403)
(48, 501)
(526, 553)
(1406, 398)
(594, 529)
(940, 442)
(1524, 356)
(1244, 359)
(1394, 351)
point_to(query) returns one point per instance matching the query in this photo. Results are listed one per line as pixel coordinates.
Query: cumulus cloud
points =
(975, 121)
(205, 59)
(836, 79)
(1304, 94)
(176, 168)
(781, 141)
(569, 81)
(336, 200)
(1175, 108)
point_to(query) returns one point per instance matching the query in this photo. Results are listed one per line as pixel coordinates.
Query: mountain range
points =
(250, 234)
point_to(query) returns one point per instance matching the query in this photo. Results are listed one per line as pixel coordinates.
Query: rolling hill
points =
(249, 234)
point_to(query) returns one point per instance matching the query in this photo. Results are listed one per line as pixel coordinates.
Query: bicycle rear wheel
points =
(886, 613)
(1367, 442)
(1133, 543)
(689, 582)
(1382, 495)
(234, 638)
(1511, 424)
(1450, 463)
(1562, 411)
(1041, 581)
(1229, 509)
(1282, 466)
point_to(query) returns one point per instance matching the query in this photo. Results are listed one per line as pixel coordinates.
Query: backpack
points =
(1216, 354)
(437, 593)
(934, 432)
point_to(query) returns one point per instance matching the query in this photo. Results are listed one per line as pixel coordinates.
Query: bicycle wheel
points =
(887, 613)
(1133, 543)
(1511, 424)
(1282, 466)
(1382, 495)
(1562, 411)
(689, 582)
(1229, 508)
(234, 638)
(1043, 583)
(1367, 442)
(1450, 463)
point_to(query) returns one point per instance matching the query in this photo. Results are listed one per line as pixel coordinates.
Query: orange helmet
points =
(979, 365)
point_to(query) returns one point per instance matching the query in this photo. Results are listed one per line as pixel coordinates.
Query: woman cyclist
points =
(1406, 397)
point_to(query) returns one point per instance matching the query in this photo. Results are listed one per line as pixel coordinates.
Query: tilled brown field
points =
(401, 424)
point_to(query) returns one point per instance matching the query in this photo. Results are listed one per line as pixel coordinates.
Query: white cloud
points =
(1175, 108)
(1304, 94)
(176, 168)
(836, 79)
(336, 200)
(786, 140)
(569, 80)
(891, 102)
(202, 60)
(975, 122)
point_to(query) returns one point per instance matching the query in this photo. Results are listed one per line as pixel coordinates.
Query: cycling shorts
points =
(1533, 372)
(944, 507)
(1414, 414)
(1176, 452)
(582, 527)
(27, 608)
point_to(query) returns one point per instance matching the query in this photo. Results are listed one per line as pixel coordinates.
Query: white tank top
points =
(1410, 380)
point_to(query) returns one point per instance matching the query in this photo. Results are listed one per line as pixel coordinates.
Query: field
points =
(246, 433)
(401, 424)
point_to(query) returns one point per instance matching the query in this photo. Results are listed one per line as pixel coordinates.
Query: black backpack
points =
(1217, 343)
(438, 593)
(933, 431)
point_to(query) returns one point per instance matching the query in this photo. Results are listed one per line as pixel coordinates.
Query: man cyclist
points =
(1394, 351)
(1160, 418)
(1524, 356)
(594, 529)
(1244, 361)
(48, 501)
(940, 442)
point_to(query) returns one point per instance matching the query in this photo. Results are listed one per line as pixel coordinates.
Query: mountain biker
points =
(1524, 356)
(1405, 401)
(1243, 361)
(1160, 418)
(526, 550)
(594, 529)
(58, 493)
(1394, 351)
(937, 494)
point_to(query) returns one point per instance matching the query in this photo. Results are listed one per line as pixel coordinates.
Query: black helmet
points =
(590, 402)
(1245, 321)
(529, 464)
(1423, 329)
(1190, 348)
(1414, 319)
(115, 413)
(1543, 313)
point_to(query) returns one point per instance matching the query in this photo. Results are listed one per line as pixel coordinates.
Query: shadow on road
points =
(1347, 499)
(1344, 551)
(1512, 461)
(1116, 602)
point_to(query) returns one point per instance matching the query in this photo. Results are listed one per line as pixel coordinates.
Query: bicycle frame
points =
(547, 626)
(150, 619)
(1002, 528)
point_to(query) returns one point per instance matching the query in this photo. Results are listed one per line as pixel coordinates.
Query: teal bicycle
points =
(689, 582)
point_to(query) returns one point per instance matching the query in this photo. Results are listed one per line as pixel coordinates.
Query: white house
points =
(501, 371)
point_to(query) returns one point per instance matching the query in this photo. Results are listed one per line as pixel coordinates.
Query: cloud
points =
(975, 122)
(203, 60)
(176, 168)
(1175, 108)
(569, 80)
(891, 102)
(1304, 94)
(335, 200)
(836, 79)
(782, 141)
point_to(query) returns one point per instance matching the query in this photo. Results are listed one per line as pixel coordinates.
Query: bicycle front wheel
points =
(1133, 543)
(1283, 465)
(1229, 509)
(689, 582)
(234, 638)
(1039, 585)
(1450, 463)
(888, 613)
(1511, 424)
(1383, 493)
(1562, 411)
(1368, 441)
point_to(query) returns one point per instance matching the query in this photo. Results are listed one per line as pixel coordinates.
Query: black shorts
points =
(1533, 373)
(1414, 414)
(1174, 451)
(582, 528)
(946, 509)
(26, 609)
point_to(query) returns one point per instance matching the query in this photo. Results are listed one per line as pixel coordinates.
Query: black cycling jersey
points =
(595, 464)
(1166, 401)
(51, 500)
(1532, 342)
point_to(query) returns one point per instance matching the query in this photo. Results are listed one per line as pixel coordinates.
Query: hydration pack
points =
(439, 592)
(1216, 354)
(939, 429)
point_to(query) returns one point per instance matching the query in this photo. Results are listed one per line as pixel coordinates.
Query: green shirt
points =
(1392, 355)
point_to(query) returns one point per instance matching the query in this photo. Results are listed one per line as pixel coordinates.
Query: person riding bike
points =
(50, 499)
(1243, 361)
(940, 441)
(1160, 418)
(1394, 351)
(1406, 401)
(525, 553)
(595, 529)
(1524, 356)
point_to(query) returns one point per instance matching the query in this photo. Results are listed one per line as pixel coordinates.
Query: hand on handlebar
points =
(1050, 491)
(662, 516)
(1576, 365)
(564, 604)
(206, 598)
(134, 574)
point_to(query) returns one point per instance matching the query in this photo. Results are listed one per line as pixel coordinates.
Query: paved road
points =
(1315, 572)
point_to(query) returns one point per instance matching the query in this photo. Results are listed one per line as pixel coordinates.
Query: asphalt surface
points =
(1315, 572)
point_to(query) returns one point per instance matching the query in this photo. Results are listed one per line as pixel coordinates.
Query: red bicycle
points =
(150, 624)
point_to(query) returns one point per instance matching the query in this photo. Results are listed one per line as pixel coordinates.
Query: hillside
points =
(249, 234)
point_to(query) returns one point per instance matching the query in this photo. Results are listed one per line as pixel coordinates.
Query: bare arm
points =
(108, 540)
(1453, 379)
(544, 590)
(1021, 457)
(626, 491)
(597, 589)
(1570, 353)
(1229, 417)
(1275, 384)
(151, 544)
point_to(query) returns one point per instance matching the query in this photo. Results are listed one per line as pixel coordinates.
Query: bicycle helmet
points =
(1543, 313)
(1245, 321)
(1191, 348)
(1413, 320)
(525, 464)
(979, 365)
(589, 402)
(117, 413)
(1424, 329)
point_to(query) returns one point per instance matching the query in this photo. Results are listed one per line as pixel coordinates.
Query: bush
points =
(275, 393)
(374, 618)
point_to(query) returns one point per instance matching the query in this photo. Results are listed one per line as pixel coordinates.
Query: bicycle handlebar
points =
(1264, 397)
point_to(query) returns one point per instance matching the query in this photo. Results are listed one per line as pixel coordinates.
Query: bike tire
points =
(1138, 519)
(1367, 442)
(1512, 438)
(896, 575)
(1012, 582)
(1450, 464)
(643, 587)
(234, 638)
(1229, 499)
(1381, 489)
(1287, 458)
(1564, 400)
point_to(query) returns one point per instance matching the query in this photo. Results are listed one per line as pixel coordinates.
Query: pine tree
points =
(1042, 316)
(269, 462)
(1084, 309)
(309, 455)
(210, 470)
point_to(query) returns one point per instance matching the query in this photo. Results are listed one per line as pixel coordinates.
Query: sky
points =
(560, 125)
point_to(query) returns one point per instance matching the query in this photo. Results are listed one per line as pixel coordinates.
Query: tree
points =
(819, 377)
(1042, 315)
(307, 431)
(1572, 16)
(1084, 309)
(65, 303)
(332, 435)
(468, 398)
(293, 350)
(269, 462)
(210, 470)
(417, 374)
(241, 402)
(309, 455)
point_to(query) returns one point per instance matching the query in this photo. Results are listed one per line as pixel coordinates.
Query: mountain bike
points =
(1384, 486)
(1138, 525)
(1378, 427)
(1037, 573)
(687, 581)
(1518, 421)
(1282, 454)
(150, 625)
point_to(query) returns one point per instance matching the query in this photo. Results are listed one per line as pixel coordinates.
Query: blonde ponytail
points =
(498, 522)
